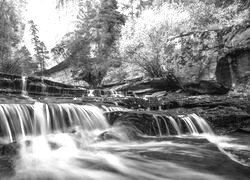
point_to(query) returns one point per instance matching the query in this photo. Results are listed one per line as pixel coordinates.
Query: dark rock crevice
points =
(234, 68)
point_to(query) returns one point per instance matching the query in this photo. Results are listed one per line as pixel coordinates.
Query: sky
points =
(52, 23)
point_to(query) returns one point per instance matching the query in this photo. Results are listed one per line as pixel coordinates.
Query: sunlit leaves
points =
(62, 3)
(92, 45)
(11, 32)
(147, 46)
(178, 35)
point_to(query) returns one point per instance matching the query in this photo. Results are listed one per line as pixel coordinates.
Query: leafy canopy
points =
(178, 37)
(93, 45)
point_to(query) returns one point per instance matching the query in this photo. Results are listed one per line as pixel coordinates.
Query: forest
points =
(117, 40)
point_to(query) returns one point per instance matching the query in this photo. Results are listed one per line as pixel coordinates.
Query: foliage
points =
(39, 47)
(183, 38)
(62, 3)
(148, 48)
(133, 8)
(179, 37)
(91, 48)
(23, 57)
(21, 63)
(11, 33)
(8, 27)
(116, 75)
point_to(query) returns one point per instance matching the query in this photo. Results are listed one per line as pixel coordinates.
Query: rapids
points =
(69, 141)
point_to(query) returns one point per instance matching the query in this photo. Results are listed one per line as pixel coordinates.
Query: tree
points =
(24, 60)
(41, 52)
(149, 49)
(8, 26)
(133, 8)
(11, 33)
(105, 26)
(93, 45)
(177, 37)
(62, 3)
(108, 24)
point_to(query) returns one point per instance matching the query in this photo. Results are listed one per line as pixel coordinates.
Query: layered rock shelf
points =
(36, 86)
(224, 113)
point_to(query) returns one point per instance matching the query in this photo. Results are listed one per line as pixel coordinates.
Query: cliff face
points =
(227, 56)
(233, 67)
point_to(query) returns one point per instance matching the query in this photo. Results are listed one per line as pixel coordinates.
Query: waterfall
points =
(202, 123)
(39, 119)
(165, 125)
(44, 87)
(24, 86)
(21, 120)
(189, 124)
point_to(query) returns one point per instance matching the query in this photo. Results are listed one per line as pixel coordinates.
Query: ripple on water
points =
(148, 158)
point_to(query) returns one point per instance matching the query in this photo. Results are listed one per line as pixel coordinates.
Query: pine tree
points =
(41, 52)
(92, 46)
(108, 23)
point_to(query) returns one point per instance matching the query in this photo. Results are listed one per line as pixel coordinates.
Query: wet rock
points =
(105, 136)
(183, 101)
(6, 83)
(169, 83)
(226, 119)
(224, 113)
(11, 149)
(8, 158)
(17, 84)
(142, 122)
(135, 103)
(243, 130)
(205, 87)
(37, 86)
(53, 145)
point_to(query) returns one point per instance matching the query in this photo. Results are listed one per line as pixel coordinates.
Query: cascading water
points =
(24, 86)
(165, 125)
(44, 87)
(62, 141)
(114, 108)
(39, 118)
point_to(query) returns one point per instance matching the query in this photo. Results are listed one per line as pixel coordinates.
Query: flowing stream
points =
(69, 141)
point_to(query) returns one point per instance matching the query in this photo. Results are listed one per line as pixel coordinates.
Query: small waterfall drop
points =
(44, 87)
(24, 86)
(166, 125)
(20, 120)
(113, 108)
(202, 123)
